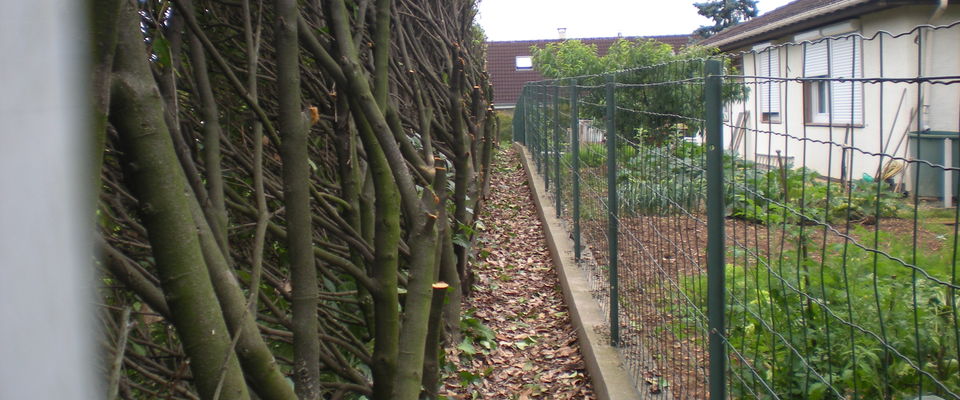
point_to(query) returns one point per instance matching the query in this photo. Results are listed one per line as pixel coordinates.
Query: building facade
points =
(847, 87)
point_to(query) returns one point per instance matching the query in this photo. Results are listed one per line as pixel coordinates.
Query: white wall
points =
(897, 59)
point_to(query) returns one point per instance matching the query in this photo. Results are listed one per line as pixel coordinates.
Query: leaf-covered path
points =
(518, 342)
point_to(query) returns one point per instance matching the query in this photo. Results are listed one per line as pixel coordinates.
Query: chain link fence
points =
(779, 223)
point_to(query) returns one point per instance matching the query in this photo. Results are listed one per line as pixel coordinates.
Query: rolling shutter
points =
(838, 58)
(846, 97)
(815, 60)
(769, 90)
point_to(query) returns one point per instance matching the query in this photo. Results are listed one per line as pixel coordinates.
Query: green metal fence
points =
(760, 228)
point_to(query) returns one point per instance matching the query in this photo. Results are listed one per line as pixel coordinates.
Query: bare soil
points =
(660, 260)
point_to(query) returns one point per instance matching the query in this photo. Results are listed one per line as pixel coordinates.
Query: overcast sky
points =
(539, 19)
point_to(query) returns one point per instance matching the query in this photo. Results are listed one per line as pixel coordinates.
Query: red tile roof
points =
(507, 81)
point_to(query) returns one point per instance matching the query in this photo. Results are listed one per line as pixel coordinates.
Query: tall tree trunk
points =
(137, 113)
(386, 244)
(215, 206)
(416, 310)
(448, 273)
(296, 196)
(259, 365)
(431, 358)
(463, 172)
(421, 224)
(104, 15)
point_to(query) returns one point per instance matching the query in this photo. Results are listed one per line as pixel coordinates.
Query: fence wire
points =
(837, 218)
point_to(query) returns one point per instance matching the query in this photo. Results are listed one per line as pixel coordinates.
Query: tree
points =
(663, 107)
(724, 13)
(281, 186)
(567, 58)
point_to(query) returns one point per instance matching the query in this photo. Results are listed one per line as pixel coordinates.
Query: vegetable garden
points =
(731, 277)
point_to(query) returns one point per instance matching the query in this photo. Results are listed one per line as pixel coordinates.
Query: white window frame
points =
(834, 58)
(524, 63)
(818, 103)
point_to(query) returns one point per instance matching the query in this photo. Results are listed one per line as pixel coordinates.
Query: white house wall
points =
(806, 143)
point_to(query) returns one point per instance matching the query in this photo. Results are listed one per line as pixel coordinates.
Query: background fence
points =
(754, 234)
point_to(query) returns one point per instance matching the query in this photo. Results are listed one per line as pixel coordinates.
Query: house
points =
(510, 65)
(833, 84)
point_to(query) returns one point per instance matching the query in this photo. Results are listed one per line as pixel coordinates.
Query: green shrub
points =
(625, 153)
(800, 196)
(592, 155)
(505, 121)
(812, 330)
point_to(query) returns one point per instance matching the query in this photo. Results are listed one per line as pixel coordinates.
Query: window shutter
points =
(815, 60)
(846, 97)
(769, 90)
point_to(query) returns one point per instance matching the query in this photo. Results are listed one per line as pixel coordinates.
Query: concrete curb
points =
(610, 379)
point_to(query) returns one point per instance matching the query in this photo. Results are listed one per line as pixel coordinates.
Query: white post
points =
(947, 174)
(46, 269)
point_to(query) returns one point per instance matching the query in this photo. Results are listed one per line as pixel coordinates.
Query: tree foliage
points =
(281, 186)
(666, 109)
(724, 13)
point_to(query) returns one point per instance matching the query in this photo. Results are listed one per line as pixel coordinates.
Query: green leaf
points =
(467, 377)
(523, 344)
(461, 240)
(161, 47)
(466, 346)
(817, 390)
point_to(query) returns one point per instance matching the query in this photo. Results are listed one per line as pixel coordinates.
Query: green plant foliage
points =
(724, 13)
(640, 61)
(505, 125)
(795, 196)
(660, 180)
(823, 330)
(567, 58)
(477, 337)
(592, 155)
(814, 324)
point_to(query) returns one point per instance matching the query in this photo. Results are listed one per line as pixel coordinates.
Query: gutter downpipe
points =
(928, 60)
(925, 108)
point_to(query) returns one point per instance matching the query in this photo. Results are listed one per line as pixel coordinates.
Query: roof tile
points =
(507, 81)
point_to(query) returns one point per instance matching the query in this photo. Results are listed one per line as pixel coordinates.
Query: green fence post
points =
(536, 127)
(546, 140)
(545, 153)
(613, 207)
(539, 128)
(530, 105)
(535, 90)
(715, 233)
(556, 144)
(575, 152)
(519, 126)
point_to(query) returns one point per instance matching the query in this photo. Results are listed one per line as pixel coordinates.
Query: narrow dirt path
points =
(518, 341)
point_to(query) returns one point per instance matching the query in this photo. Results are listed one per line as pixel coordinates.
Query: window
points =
(768, 67)
(818, 106)
(832, 100)
(524, 63)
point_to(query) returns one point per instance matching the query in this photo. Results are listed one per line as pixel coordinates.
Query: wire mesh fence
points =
(779, 223)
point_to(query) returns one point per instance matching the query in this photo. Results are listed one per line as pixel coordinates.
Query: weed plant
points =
(854, 324)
